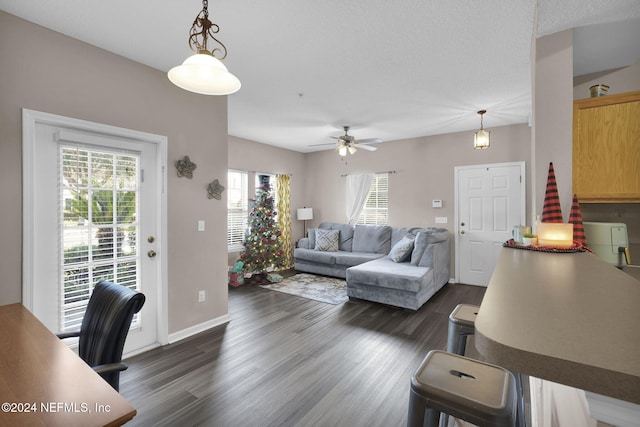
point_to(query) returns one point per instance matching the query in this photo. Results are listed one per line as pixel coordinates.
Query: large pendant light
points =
(203, 72)
(481, 137)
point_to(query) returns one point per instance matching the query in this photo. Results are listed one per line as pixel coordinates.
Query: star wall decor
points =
(215, 190)
(185, 167)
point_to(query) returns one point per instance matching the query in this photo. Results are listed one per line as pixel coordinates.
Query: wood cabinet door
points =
(606, 148)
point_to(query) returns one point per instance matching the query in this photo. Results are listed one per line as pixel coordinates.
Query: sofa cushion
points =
(423, 239)
(355, 258)
(345, 241)
(402, 250)
(311, 255)
(385, 273)
(327, 240)
(372, 238)
(433, 252)
(312, 237)
(397, 233)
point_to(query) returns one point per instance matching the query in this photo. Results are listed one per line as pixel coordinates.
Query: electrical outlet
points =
(201, 225)
(441, 220)
(201, 296)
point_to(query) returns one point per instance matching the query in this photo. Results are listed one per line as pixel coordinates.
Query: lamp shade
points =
(481, 139)
(305, 214)
(204, 74)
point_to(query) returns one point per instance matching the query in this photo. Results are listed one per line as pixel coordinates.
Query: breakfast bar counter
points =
(569, 318)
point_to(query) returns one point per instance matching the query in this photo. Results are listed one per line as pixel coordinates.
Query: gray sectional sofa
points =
(398, 266)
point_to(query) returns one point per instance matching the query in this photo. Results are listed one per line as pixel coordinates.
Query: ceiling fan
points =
(348, 144)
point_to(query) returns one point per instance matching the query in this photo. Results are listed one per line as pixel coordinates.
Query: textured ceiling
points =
(391, 70)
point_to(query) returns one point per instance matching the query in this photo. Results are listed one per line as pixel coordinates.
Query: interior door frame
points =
(32, 118)
(523, 202)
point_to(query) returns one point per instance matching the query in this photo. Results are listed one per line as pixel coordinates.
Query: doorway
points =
(94, 208)
(490, 200)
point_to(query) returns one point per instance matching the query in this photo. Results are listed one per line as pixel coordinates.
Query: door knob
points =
(151, 253)
(462, 232)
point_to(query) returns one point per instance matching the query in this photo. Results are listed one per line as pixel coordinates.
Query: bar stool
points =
(467, 389)
(461, 324)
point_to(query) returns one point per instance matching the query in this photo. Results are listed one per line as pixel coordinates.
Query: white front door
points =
(490, 200)
(93, 198)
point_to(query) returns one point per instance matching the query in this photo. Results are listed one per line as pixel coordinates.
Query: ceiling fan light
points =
(342, 151)
(352, 149)
(202, 73)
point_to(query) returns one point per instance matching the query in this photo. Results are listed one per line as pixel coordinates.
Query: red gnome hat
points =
(575, 218)
(551, 210)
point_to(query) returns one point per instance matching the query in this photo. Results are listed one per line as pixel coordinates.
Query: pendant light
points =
(481, 137)
(203, 72)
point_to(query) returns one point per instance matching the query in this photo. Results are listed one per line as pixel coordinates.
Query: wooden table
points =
(569, 318)
(43, 382)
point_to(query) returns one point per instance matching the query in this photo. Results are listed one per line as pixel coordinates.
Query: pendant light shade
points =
(481, 139)
(203, 72)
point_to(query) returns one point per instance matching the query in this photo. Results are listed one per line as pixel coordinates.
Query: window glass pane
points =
(237, 208)
(376, 207)
(99, 211)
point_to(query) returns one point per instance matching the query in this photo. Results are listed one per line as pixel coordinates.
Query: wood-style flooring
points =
(284, 360)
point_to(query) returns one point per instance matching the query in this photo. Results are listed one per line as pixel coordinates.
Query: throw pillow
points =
(327, 240)
(401, 250)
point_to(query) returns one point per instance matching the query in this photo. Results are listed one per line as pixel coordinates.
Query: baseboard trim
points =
(196, 329)
(140, 350)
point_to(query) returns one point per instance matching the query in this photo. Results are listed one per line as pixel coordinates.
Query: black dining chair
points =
(105, 327)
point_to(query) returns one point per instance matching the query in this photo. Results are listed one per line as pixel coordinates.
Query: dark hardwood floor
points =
(283, 360)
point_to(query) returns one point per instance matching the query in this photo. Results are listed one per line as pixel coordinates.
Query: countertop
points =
(569, 318)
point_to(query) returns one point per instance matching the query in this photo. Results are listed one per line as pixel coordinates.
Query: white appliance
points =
(609, 241)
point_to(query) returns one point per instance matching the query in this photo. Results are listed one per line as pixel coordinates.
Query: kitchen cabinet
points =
(606, 149)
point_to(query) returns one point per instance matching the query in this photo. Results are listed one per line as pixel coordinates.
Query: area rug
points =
(319, 288)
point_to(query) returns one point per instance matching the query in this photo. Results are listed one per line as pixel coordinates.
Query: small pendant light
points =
(481, 137)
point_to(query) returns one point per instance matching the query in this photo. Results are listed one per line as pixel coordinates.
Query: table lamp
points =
(305, 214)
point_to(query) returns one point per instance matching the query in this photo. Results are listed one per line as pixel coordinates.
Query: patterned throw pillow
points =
(402, 249)
(327, 240)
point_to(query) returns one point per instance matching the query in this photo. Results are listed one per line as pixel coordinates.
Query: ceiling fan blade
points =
(324, 143)
(368, 141)
(365, 147)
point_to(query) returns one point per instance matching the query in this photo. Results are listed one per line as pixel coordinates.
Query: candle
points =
(556, 235)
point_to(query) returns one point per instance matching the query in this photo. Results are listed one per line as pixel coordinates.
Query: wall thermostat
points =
(436, 203)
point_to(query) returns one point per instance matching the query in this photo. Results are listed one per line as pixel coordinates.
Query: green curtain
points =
(283, 188)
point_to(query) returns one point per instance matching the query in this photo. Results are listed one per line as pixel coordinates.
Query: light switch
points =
(436, 203)
(201, 225)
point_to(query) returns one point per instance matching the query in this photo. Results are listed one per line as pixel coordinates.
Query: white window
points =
(376, 208)
(237, 208)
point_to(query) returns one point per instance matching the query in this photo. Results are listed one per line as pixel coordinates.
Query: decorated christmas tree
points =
(262, 251)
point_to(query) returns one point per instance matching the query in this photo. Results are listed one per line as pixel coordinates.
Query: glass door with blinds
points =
(93, 209)
(99, 205)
